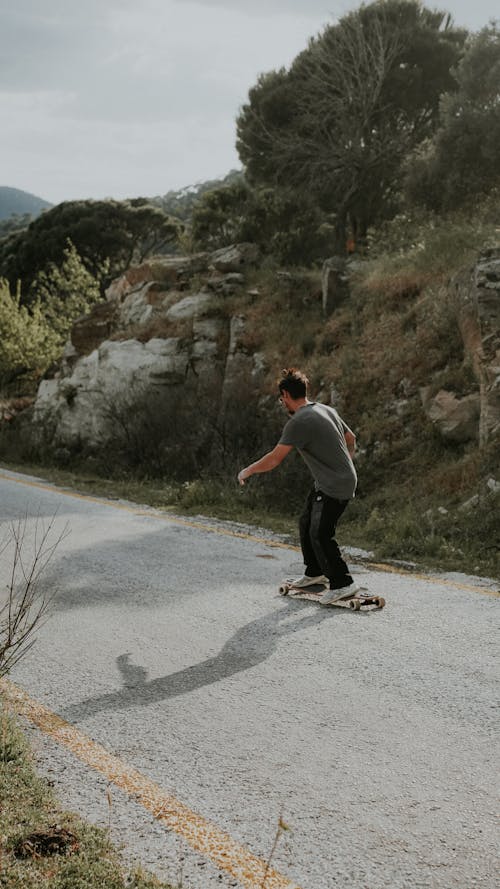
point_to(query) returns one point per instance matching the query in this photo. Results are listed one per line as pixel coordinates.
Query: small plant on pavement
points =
(281, 828)
(23, 601)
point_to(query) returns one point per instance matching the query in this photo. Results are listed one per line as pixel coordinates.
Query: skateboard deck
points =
(313, 593)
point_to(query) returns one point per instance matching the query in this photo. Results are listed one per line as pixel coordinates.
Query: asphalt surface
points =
(374, 736)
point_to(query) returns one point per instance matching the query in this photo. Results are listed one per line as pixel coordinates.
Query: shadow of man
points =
(252, 644)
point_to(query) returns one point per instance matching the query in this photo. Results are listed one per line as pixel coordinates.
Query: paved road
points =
(373, 736)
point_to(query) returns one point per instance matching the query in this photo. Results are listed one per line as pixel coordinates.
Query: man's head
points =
(292, 385)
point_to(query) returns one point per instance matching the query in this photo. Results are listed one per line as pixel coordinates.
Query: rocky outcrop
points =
(478, 292)
(156, 335)
(164, 331)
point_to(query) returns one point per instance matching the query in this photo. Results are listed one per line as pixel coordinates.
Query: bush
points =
(28, 344)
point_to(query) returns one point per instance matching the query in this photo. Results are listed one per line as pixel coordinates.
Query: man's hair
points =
(293, 381)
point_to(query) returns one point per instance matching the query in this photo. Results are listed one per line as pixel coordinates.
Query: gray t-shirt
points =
(317, 431)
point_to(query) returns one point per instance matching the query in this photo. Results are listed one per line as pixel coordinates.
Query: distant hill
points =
(13, 201)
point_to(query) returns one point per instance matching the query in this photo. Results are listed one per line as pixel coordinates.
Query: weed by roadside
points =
(42, 847)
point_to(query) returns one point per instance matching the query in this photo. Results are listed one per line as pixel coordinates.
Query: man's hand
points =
(266, 463)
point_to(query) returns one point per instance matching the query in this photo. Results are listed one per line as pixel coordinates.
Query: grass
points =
(42, 847)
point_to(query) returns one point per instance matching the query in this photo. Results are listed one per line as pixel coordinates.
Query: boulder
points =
(334, 283)
(235, 258)
(457, 419)
(189, 306)
(84, 404)
(166, 271)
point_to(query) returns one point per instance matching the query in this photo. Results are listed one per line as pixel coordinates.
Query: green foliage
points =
(421, 241)
(108, 235)
(218, 219)
(66, 292)
(15, 223)
(462, 162)
(33, 335)
(28, 344)
(339, 124)
(284, 224)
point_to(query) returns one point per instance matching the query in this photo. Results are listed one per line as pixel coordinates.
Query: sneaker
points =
(346, 592)
(306, 581)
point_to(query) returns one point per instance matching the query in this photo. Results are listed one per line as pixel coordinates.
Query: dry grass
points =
(42, 847)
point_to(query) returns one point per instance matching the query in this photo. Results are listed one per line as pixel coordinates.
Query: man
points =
(327, 446)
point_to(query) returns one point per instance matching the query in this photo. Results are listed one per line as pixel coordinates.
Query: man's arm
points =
(266, 463)
(350, 440)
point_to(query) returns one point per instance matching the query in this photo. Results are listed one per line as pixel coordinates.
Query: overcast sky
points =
(121, 98)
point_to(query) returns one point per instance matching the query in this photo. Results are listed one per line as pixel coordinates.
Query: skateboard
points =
(359, 602)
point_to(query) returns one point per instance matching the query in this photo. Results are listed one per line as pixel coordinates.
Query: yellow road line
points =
(200, 526)
(205, 838)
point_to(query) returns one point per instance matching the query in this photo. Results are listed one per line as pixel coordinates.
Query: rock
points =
(234, 278)
(209, 334)
(240, 365)
(478, 292)
(104, 373)
(235, 258)
(493, 485)
(400, 406)
(136, 308)
(88, 332)
(470, 504)
(84, 406)
(334, 283)
(168, 271)
(189, 307)
(457, 419)
(425, 393)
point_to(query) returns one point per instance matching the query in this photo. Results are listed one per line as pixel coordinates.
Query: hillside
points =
(13, 201)
(172, 379)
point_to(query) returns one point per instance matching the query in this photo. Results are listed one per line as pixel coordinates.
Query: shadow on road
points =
(250, 645)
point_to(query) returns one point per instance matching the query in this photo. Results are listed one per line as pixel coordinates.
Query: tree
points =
(108, 235)
(282, 223)
(28, 345)
(65, 292)
(14, 223)
(339, 124)
(219, 216)
(182, 202)
(462, 161)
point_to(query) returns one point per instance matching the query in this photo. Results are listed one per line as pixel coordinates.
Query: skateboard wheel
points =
(283, 589)
(380, 602)
(355, 604)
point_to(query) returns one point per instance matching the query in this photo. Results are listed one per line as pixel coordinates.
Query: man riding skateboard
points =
(327, 446)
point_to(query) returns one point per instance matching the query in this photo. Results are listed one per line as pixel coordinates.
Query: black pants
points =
(320, 550)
